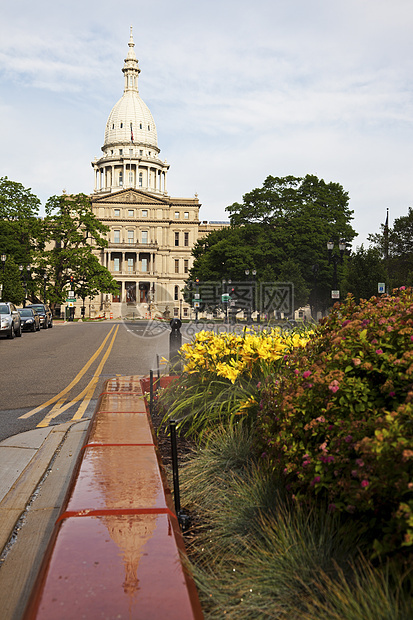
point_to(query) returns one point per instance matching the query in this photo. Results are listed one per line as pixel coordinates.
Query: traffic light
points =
(72, 280)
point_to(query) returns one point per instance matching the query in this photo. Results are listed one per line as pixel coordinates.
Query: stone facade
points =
(151, 234)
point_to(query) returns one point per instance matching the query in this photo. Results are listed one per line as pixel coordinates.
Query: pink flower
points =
(306, 373)
(411, 338)
(402, 288)
(392, 394)
(334, 385)
(379, 351)
(364, 483)
(360, 462)
(315, 480)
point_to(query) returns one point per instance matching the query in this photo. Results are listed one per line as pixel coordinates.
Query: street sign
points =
(71, 294)
(225, 297)
(71, 300)
(382, 287)
(197, 296)
(197, 304)
(335, 294)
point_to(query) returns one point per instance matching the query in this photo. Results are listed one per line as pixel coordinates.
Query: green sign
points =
(71, 299)
(225, 297)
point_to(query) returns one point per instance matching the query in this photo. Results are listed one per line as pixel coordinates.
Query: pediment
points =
(130, 196)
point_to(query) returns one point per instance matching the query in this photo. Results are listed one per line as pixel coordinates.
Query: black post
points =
(151, 392)
(175, 473)
(175, 342)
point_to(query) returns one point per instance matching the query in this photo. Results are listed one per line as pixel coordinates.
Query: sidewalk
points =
(36, 469)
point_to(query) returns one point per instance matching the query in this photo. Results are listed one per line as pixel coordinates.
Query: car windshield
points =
(38, 308)
(4, 309)
(26, 312)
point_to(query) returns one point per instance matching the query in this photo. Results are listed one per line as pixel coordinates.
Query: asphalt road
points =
(56, 375)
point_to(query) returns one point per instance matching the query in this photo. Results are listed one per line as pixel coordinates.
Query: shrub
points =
(337, 419)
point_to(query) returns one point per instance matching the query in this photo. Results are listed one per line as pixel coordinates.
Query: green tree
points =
(279, 229)
(12, 287)
(363, 273)
(70, 233)
(396, 247)
(19, 223)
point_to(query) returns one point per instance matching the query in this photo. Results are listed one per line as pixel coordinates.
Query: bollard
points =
(151, 393)
(175, 342)
(183, 519)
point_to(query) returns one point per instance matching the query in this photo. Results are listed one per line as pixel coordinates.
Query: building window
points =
(116, 236)
(120, 178)
(130, 151)
(131, 212)
(130, 265)
(177, 215)
(113, 126)
(130, 236)
(176, 239)
(149, 127)
(140, 125)
(141, 152)
(144, 213)
(140, 179)
(176, 293)
(186, 266)
(185, 312)
(130, 176)
(186, 239)
(120, 151)
(176, 311)
(144, 264)
(144, 236)
(117, 212)
(121, 125)
(176, 265)
(186, 215)
(116, 264)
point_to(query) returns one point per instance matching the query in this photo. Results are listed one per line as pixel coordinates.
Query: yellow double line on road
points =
(85, 396)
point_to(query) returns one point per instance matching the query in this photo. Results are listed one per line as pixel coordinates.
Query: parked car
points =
(43, 310)
(10, 321)
(30, 320)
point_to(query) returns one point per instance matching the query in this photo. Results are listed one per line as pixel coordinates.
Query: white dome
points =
(131, 112)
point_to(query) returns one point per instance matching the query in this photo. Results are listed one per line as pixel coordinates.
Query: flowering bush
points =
(337, 419)
(222, 374)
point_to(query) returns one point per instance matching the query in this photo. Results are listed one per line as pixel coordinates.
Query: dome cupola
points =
(131, 144)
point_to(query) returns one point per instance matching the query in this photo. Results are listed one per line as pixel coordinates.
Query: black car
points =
(10, 321)
(30, 320)
(45, 314)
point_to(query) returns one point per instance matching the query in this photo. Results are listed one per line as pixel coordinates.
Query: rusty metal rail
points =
(116, 551)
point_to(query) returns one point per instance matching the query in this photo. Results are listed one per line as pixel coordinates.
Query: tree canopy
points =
(281, 230)
(65, 249)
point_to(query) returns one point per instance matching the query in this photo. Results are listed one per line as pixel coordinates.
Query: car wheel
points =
(38, 328)
(19, 332)
(45, 325)
(12, 334)
(34, 328)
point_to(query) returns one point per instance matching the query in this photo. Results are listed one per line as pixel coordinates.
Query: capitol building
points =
(151, 234)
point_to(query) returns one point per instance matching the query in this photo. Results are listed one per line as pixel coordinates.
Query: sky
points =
(239, 90)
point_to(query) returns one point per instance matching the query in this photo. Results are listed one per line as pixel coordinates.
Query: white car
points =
(10, 322)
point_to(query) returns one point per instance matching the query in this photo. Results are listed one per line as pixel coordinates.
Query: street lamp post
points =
(3, 260)
(335, 259)
(24, 275)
